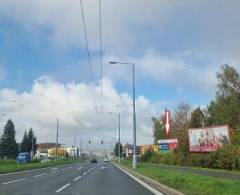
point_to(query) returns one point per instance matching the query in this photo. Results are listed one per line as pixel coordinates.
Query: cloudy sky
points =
(177, 47)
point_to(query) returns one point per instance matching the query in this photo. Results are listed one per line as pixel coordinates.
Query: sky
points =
(177, 48)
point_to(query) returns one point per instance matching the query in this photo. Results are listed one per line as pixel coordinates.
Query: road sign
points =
(167, 144)
(167, 121)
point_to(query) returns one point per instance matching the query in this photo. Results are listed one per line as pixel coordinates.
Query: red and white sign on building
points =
(167, 121)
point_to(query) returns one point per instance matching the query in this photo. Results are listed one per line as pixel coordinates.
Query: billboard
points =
(208, 139)
(167, 144)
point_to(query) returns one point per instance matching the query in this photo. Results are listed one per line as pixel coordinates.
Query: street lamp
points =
(119, 128)
(134, 165)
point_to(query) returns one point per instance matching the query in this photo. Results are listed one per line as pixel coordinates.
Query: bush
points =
(147, 156)
(227, 157)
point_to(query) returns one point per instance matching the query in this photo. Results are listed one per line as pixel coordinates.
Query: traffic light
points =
(102, 142)
(89, 141)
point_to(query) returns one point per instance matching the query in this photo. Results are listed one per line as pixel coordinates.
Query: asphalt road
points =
(75, 179)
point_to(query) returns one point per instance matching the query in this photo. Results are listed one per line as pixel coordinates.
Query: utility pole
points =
(119, 128)
(74, 155)
(32, 146)
(56, 139)
(134, 122)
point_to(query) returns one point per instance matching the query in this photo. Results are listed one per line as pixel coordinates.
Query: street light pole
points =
(56, 140)
(32, 146)
(119, 127)
(134, 164)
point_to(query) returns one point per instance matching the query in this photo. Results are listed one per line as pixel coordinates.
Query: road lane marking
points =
(80, 168)
(66, 168)
(62, 188)
(85, 173)
(39, 175)
(77, 178)
(53, 169)
(13, 181)
(150, 188)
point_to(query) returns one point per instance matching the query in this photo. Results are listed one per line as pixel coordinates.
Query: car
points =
(94, 160)
(106, 160)
(23, 158)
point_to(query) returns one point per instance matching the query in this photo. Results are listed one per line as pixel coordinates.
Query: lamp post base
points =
(134, 165)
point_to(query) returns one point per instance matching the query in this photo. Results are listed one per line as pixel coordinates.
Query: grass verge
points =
(7, 166)
(188, 183)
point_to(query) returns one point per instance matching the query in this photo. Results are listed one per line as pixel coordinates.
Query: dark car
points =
(94, 160)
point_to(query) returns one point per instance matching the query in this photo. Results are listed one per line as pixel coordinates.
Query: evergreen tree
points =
(28, 140)
(8, 145)
(24, 143)
(32, 140)
(116, 149)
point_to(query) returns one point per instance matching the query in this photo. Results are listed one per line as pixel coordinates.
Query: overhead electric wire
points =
(88, 54)
(101, 64)
(100, 51)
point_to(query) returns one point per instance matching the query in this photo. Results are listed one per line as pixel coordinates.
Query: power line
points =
(88, 54)
(100, 51)
(101, 64)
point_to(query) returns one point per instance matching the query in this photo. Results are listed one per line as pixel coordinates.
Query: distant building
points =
(128, 150)
(151, 147)
(43, 149)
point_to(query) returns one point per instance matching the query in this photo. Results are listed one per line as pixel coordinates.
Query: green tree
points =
(116, 149)
(158, 130)
(28, 140)
(197, 118)
(180, 124)
(32, 140)
(225, 109)
(24, 143)
(8, 145)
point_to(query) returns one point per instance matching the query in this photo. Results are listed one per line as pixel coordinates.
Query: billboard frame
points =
(214, 126)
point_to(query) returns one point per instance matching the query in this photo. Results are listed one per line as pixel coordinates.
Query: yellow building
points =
(152, 147)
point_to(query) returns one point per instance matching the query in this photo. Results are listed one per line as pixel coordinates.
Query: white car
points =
(106, 160)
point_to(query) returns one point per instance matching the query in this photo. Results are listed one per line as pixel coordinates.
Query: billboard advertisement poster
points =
(208, 139)
(167, 144)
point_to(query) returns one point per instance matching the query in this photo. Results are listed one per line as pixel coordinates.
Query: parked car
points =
(94, 160)
(23, 158)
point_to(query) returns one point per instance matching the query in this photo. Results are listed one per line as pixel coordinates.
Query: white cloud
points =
(126, 24)
(73, 104)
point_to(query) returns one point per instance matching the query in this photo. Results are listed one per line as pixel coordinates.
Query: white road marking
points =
(85, 173)
(62, 188)
(13, 181)
(150, 188)
(80, 168)
(77, 178)
(53, 169)
(39, 175)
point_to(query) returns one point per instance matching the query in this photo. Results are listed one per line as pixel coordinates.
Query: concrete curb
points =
(158, 186)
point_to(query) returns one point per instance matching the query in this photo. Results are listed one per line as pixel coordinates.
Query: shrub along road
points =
(187, 180)
(224, 174)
